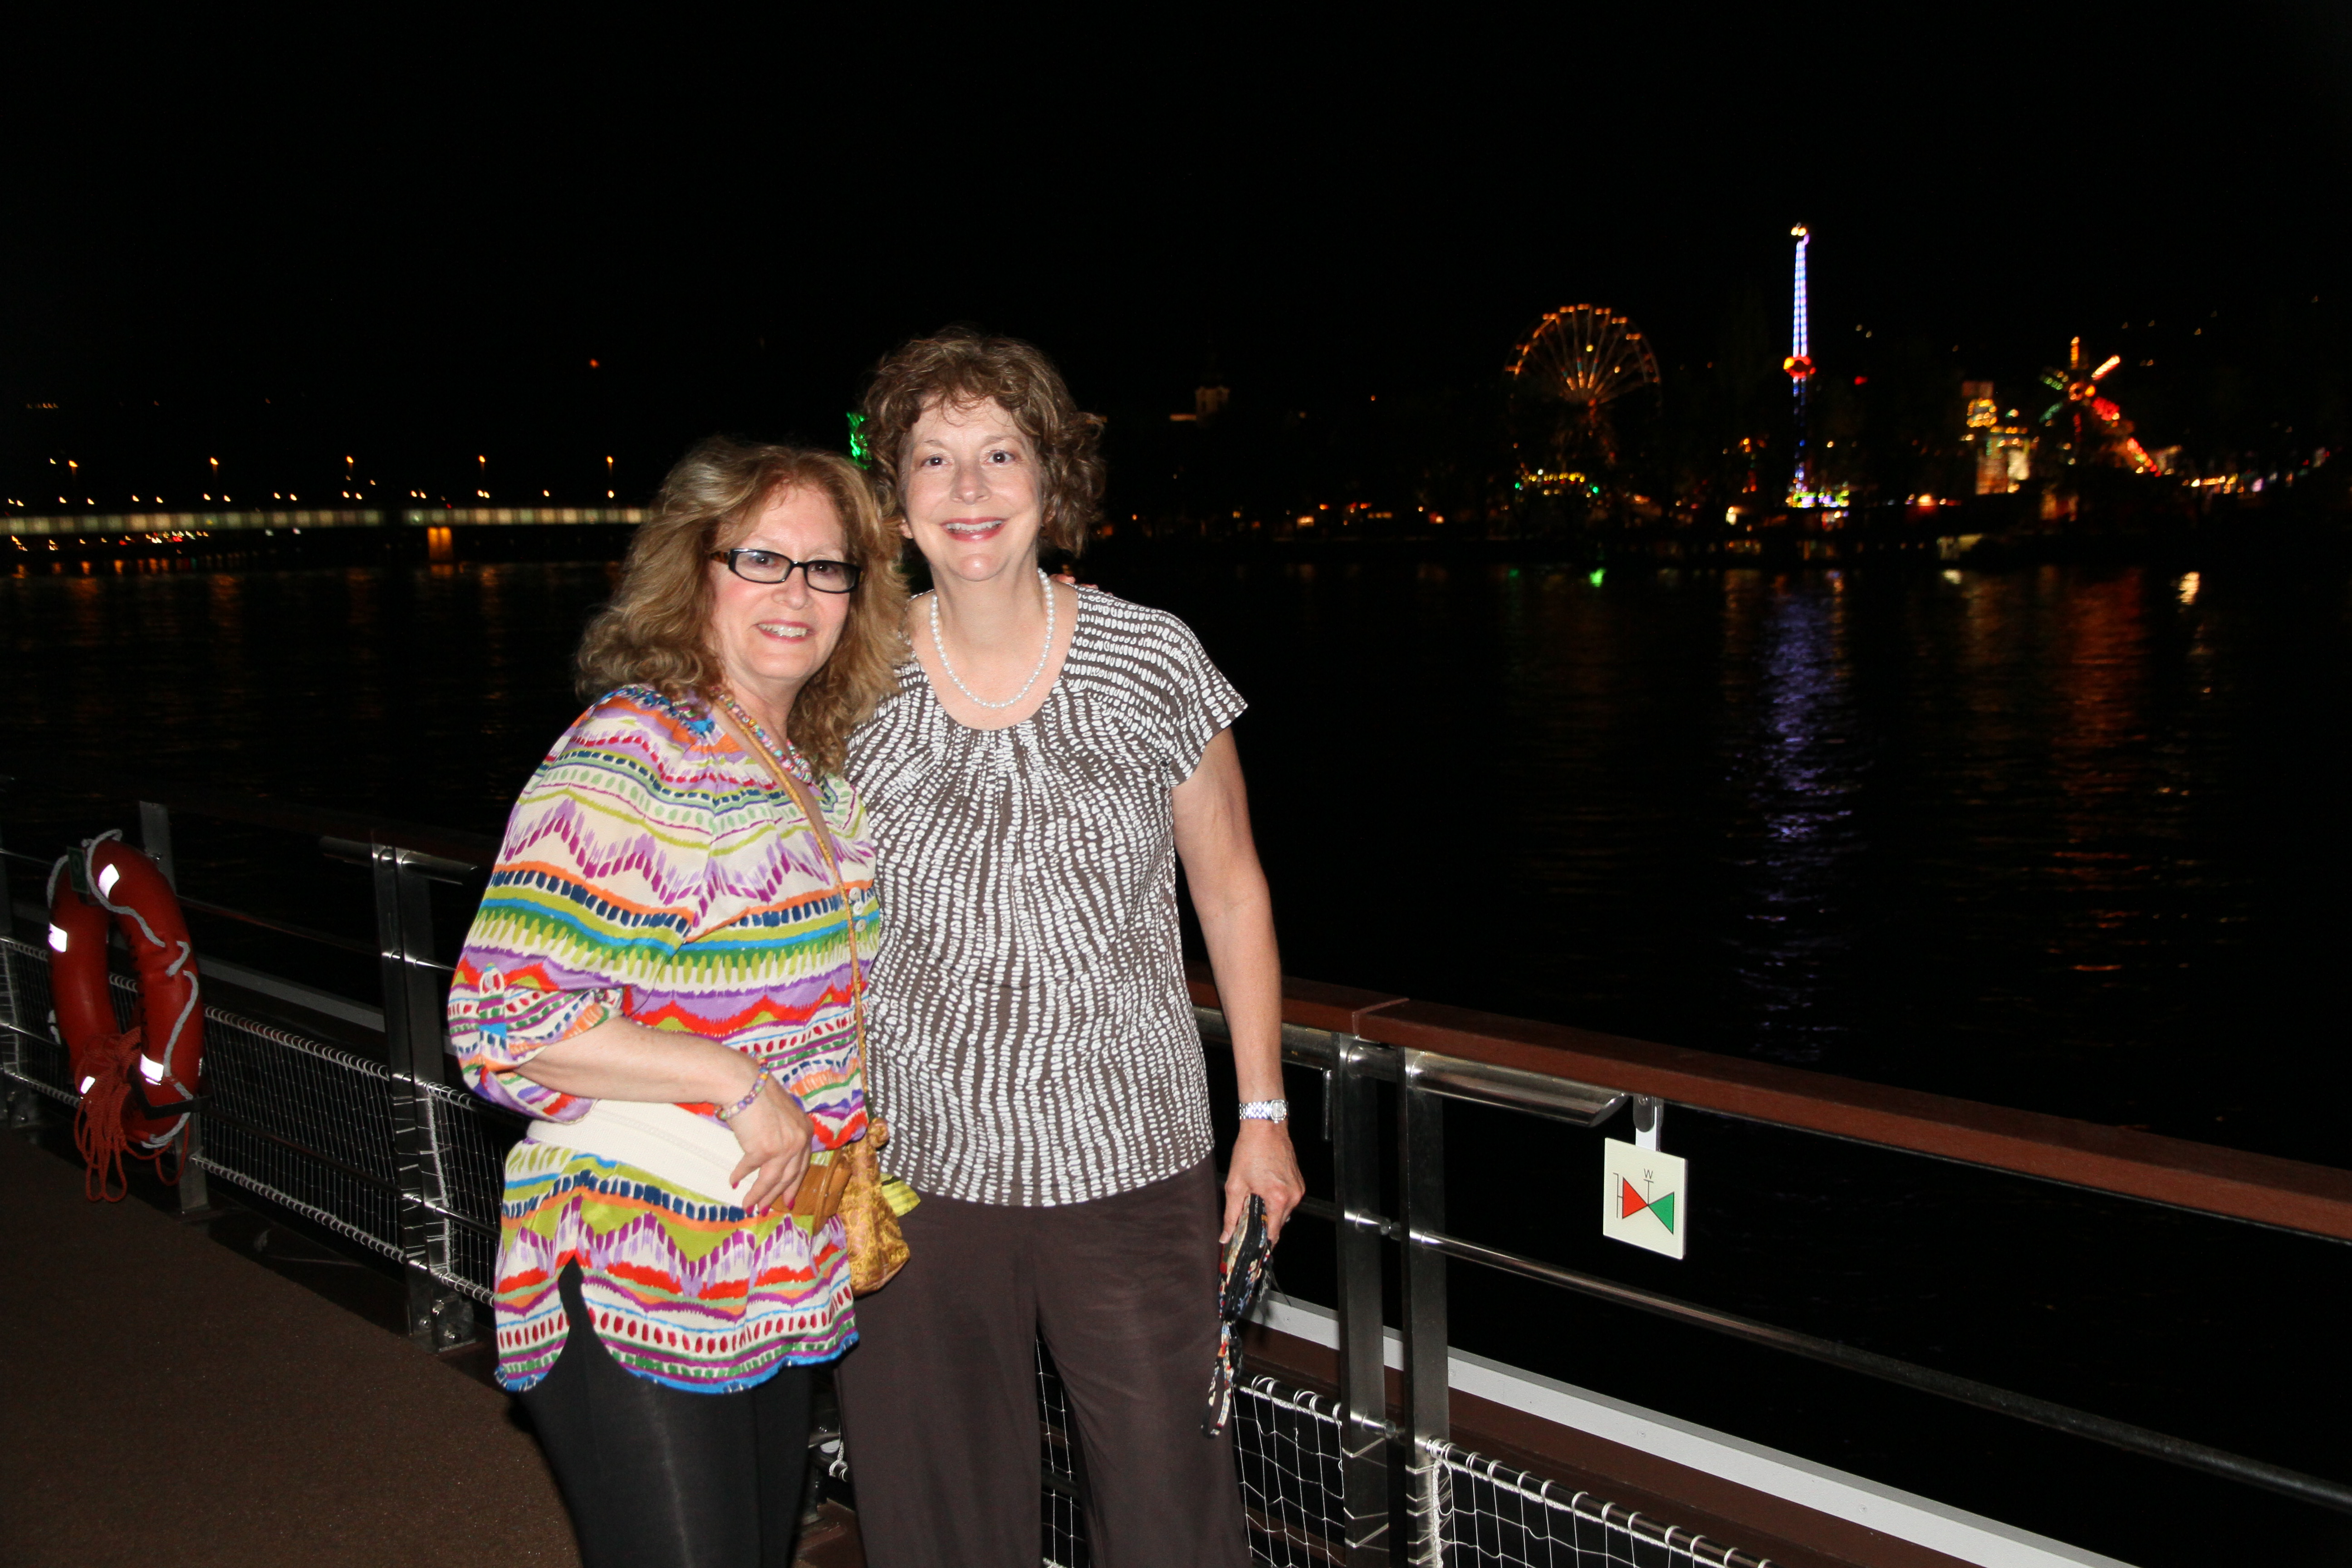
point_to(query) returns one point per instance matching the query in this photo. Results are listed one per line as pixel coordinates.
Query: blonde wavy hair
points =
(656, 630)
(957, 367)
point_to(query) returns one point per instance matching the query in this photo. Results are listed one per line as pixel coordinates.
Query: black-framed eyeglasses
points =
(768, 566)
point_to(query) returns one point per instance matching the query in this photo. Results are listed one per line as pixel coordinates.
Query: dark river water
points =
(2068, 839)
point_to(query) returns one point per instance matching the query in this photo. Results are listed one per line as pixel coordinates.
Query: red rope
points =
(99, 1136)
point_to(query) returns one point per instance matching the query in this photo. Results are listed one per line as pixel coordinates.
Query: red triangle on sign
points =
(1630, 1203)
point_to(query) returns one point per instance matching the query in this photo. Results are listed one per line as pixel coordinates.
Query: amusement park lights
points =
(1578, 360)
(1586, 355)
(2078, 385)
(1799, 363)
(1800, 366)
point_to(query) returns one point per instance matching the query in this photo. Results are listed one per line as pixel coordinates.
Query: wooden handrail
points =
(2289, 1193)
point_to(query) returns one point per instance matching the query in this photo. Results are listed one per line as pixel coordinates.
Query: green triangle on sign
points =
(1664, 1209)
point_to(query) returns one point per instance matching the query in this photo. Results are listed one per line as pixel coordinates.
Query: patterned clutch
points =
(1246, 1252)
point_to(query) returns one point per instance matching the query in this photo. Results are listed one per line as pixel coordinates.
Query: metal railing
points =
(386, 1153)
(389, 1153)
(1359, 1041)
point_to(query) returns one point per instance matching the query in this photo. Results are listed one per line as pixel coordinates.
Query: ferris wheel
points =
(1586, 355)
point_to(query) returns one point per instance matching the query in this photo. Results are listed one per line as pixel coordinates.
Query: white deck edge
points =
(1956, 1533)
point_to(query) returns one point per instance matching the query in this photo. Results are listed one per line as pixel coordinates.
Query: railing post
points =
(23, 1106)
(1421, 1159)
(156, 839)
(439, 1317)
(1350, 1104)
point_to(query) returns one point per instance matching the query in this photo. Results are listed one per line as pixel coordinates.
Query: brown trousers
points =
(938, 1401)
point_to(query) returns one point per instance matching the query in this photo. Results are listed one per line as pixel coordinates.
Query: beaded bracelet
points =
(744, 1104)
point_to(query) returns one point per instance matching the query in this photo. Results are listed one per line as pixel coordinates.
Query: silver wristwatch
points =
(1266, 1111)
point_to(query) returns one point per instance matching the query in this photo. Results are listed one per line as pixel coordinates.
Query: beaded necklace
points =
(1043, 653)
(786, 756)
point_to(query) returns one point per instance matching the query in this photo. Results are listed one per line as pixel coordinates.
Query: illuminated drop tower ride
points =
(1800, 366)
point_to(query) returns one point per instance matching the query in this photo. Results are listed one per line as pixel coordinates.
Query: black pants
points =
(659, 1477)
(940, 1398)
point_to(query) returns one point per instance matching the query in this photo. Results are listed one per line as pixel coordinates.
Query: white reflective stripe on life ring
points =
(107, 876)
(56, 937)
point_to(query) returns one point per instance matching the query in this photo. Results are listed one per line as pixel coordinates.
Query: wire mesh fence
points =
(1060, 1496)
(1503, 1516)
(1287, 1449)
(1286, 1446)
(309, 1126)
(35, 1056)
(469, 1142)
(304, 1124)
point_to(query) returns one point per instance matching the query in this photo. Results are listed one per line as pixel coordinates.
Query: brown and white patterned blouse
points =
(1031, 1041)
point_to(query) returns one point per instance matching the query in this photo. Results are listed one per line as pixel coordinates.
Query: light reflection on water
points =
(2060, 838)
(1799, 773)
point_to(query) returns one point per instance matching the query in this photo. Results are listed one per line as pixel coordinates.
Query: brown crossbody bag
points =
(850, 1184)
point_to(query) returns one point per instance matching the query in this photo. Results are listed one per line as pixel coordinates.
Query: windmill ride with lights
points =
(2098, 421)
(1580, 360)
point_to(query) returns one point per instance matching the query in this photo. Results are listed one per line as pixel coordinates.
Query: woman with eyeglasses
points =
(1049, 755)
(662, 977)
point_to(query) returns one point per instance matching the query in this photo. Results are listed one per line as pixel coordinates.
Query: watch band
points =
(1266, 1111)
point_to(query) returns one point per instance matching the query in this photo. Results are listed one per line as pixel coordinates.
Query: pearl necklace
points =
(939, 645)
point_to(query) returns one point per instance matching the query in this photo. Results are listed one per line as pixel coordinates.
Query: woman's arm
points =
(622, 1060)
(1228, 894)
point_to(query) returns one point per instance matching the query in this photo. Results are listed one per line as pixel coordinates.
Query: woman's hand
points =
(1265, 1165)
(774, 1132)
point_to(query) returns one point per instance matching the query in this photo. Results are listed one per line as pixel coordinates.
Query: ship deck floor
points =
(165, 1399)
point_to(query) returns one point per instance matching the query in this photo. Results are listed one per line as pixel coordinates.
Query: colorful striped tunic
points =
(653, 869)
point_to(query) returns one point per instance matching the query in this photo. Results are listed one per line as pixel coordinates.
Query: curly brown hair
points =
(656, 630)
(957, 367)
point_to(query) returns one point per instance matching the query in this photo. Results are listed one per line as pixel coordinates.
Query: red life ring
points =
(119, 1112)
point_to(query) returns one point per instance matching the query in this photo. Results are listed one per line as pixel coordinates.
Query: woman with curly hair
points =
(664, 977)
(1048, 756)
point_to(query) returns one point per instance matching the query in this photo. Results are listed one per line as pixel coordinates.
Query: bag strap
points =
(808, 808)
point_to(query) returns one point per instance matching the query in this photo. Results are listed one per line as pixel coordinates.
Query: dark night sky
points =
(419, 240)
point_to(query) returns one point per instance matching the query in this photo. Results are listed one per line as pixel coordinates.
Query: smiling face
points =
(974, 492)
(771, 637)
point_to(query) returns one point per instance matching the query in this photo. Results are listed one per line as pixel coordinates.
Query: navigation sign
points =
(1644, 1198)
